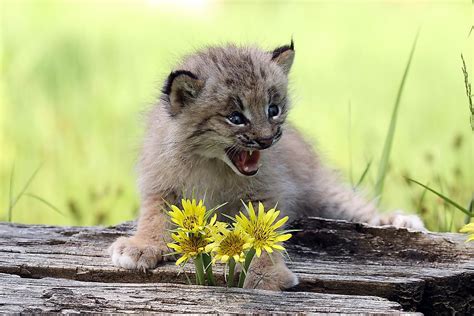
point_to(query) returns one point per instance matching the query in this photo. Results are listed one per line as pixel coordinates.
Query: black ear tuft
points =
(278, 51)
(181, 89)
(283, 56)
(169, 82)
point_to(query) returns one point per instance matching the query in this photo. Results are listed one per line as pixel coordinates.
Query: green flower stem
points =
(199, 270)
(230, 276)
(248, 260)
(208, 267)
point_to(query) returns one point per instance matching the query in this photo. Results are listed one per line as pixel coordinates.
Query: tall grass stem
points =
(208, 268)
(230, 276)
(384, 160)
(199, 265)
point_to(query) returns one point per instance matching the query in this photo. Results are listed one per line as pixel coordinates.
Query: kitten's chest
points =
(217, 185)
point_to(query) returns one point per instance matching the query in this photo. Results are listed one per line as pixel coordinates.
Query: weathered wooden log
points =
(431, 273)
(60, 295)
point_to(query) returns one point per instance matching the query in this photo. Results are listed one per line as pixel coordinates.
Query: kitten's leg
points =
(269, 273)
(332, 199)
(145, 249)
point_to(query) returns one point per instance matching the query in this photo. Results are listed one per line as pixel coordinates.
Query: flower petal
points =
(176, 209)
(275, 216)
(261, 211)
(246, 245)
(467, 228)
(278, 247)
(181, 260)
(268, 216)
(251, 211)
(280, 223)
(213, 220)
(268, 249)
(283, 237)
(174, 246)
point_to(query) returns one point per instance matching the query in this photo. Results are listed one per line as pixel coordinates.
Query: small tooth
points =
(250, 152)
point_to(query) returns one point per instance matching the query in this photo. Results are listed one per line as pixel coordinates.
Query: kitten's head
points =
(230, 102)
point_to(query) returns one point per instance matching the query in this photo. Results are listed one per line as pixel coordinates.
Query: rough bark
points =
(431, 273)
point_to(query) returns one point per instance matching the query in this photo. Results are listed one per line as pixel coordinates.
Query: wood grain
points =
(60, 295)
(432, 273)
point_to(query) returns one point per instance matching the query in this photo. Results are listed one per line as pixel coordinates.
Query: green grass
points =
(75, 76)
(388, 144)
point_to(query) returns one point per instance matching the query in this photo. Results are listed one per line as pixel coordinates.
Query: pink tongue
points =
(248, 163)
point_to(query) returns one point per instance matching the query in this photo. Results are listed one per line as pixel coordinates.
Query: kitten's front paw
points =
(398, 219)
(136, 253)
(265, 275)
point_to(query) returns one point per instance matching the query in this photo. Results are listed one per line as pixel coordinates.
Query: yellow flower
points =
(262, 228)
(189, 245)
(229, 244)
(469, 228)
(214, 228)
(192, 218)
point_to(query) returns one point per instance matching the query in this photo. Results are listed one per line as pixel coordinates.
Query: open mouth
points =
(245, 161)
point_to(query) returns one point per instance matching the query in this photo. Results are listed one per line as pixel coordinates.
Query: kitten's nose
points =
(265, 142)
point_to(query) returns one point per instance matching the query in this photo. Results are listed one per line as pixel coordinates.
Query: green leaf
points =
(445, 198)
(383, 165)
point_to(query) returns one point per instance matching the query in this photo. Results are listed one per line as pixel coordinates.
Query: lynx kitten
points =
(219, 129)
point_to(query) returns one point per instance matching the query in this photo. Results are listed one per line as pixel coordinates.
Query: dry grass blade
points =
(54, 208)
(467, 85)
(25, 187)
(383, 165)
(14, 201)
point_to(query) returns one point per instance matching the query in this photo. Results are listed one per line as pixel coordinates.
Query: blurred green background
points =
(75, 77)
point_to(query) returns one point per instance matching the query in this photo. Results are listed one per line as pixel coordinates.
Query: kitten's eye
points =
(237, 118)
(273, 110)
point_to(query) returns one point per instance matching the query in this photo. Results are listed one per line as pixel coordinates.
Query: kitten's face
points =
(232, 103)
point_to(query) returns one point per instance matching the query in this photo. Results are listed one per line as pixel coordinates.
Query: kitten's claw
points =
(134, 253)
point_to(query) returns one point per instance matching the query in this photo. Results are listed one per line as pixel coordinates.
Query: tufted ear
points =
(284, 56)
(182, 88)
